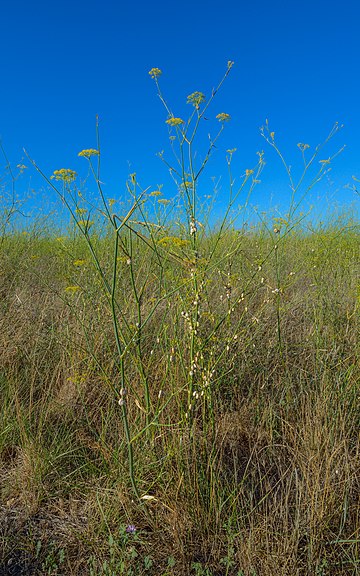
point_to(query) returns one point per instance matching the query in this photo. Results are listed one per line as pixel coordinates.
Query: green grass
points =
(179, 398)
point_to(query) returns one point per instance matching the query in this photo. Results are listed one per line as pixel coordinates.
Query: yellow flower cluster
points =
(155, 72)
(173, 241)
(187, 184)
(303, 147)
(248, 172)
(88, 153)
(174, 121)
(222, 117)
(196, 98)
(65, 174)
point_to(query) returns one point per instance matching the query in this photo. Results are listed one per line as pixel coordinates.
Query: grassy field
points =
(178, 398)
(259, 476)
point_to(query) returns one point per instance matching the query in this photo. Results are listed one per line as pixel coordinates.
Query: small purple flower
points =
(130, 529)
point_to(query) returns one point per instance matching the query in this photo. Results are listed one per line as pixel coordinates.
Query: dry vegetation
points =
(259, 477)
(178, 398)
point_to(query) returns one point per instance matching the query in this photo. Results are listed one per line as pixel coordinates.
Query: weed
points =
(180, 397)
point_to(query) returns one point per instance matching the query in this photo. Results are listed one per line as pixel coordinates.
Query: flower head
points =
(174, 121)
(64, 174)
(303, 147)
(187, 184)
(196, 98)
(88, 153)
(222, 117)
(173, 241)
(130, 529)
(155, 72)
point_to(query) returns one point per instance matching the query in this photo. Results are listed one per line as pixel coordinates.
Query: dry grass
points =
(261, 479)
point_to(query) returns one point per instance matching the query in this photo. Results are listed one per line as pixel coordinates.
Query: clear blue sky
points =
(296, 63)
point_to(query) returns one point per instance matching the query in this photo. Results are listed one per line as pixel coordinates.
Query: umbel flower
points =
(196, 98)
(88, 153)
(187, 184)
(222, 117)
(155, 72)
(64, 174)
(174, 121)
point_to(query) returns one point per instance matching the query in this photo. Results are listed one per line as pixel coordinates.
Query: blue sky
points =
(296, 63)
